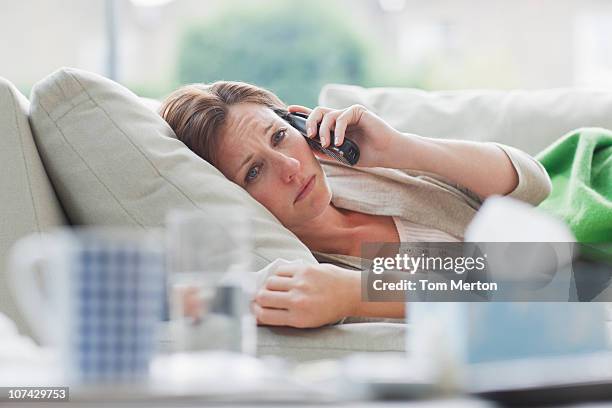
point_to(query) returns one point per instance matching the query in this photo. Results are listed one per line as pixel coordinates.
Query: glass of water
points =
(209, 257)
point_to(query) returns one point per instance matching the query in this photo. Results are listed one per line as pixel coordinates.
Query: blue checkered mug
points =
(104, 291)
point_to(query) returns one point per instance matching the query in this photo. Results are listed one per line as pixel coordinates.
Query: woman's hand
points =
(372, 134)
(307, 296)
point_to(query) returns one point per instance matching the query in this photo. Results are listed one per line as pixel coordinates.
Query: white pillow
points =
(114, 161)
(528, 120)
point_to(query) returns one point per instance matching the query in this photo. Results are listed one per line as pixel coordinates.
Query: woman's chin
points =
(318, 205)
(311, 208)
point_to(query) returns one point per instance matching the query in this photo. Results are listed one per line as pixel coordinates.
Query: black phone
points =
(347, 152)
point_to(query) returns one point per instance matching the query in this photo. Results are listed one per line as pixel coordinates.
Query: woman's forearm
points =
(483, 168)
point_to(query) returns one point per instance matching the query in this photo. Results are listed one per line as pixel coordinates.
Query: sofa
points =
(83, 150)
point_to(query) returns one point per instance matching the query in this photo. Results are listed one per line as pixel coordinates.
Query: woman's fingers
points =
(327, 120)
(327, 124)
(315, 117)
(350, 116)
(272, 317)
(273, 298)
(286, 270)
(283, 283)
(298, 108)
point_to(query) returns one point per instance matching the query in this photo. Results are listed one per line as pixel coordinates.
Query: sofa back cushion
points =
(114, 161)
(28, 203)
(529, 120)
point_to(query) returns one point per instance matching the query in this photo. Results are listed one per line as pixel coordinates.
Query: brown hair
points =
(197, 112)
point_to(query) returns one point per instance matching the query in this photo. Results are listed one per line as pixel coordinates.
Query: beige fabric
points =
(409, 231)
(28, 203)
(426, 199)
(528, 120)
(114, 161)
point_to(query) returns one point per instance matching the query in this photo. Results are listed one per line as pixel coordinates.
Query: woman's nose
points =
(289, 167)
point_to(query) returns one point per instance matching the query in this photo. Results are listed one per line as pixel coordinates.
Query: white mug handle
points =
(27, 256)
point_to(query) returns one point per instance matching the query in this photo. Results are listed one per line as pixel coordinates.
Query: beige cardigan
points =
(424, 198)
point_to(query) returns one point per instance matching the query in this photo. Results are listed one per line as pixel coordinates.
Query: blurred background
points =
(293, 48)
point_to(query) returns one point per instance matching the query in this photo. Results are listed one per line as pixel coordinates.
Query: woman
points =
(233, 126)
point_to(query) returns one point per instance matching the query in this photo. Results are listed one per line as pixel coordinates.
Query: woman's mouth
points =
(306, 189)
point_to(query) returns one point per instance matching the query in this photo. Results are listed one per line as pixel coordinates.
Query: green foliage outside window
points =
(291, 51)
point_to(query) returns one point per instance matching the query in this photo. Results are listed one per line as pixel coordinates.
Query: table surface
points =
(439, 403)
(211, 382)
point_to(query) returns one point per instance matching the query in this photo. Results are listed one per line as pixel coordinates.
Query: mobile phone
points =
(347, 152)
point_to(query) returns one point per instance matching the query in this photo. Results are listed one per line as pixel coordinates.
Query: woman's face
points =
(272, 161)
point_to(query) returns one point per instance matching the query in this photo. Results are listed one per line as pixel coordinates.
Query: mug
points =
(103, 296)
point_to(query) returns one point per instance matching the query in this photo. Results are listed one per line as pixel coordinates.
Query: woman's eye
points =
(278, 136)
(254, 171)
(252, 174)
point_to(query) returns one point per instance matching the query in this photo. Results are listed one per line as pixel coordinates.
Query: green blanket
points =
(580, 167)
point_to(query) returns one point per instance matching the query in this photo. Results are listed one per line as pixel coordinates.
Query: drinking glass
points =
(209, 257)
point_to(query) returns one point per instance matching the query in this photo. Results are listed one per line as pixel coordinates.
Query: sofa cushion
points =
(297, 345)
(113, 161)
(28, 202)
(334, 341)
(529, 120)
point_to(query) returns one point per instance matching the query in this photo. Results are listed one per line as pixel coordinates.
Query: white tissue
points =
(504, 219)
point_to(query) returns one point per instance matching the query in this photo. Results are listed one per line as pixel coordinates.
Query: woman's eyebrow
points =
(267, 129)
(250, 156)
(248, 159)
